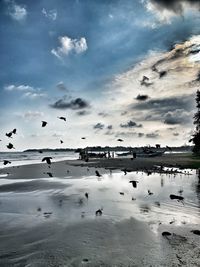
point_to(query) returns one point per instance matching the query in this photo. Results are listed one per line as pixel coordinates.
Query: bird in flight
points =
(83, 137)
(44, 123)
(9, 134)
(47, 159)
(61, 141)
(62, 118)
(10, 146)
(120, 140)
(134, 183)
(14, 131)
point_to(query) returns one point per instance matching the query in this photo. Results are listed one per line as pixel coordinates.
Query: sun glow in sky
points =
(114, 69)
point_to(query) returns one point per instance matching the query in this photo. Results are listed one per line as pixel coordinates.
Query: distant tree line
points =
(196, 136)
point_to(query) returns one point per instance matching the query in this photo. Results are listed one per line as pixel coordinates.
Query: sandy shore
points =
(47, 221)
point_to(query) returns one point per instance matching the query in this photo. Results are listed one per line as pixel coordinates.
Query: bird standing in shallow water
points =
(47, 159)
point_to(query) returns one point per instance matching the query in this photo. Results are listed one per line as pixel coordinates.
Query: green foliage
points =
(196, 136)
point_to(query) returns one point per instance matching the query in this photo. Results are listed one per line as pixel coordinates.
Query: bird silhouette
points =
(134, 183)
(62, 118)
(61, 141)
(83, 137)
(98, 174)
(176, 197)
(50, 174)
(44, 123)
(121, 193)
(120, 140)
(166, 234)
(9, 134)
(86, 195)
(5, 162)
(196, 232)
(150, 193)
(14, 131)
(99, 212)
(47, 159)
(10, 146)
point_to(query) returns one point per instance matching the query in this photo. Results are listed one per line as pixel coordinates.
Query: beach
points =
(49, 221)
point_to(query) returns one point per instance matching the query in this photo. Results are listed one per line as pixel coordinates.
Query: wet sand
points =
(48, 221)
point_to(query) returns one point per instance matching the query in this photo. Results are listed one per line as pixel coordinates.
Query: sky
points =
(115, 69)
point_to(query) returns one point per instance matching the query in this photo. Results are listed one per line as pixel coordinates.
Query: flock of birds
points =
(98, 212)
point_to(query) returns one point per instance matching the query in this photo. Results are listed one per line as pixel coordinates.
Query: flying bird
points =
(83, 137)
(14, 131)
(86, 195)
(166, 234)
(196, 232)
(47, 159)
(5, 162)
(50, 174)
(120, 140)
(134, 183)
(176, 197)
(10, 146)
(9, 134)
(44, 123)
(98, 174)
(61, 141)
(62, 118)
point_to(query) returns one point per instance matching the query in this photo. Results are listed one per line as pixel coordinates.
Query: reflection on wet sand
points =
(69, 222)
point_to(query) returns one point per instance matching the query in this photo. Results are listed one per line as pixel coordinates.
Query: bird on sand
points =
(47, 159)
(134, 183)
(62, 118)
(196, 232)
(9, 134)
(14, 131)
(98, 174)
(120, 140)
(99, 212)
(86, 195)
(5, 162)
(44, 123)
(166, 234)
(10, 146)
(50, 174)
(150, 193)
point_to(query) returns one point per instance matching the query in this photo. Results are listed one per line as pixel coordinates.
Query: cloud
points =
(98, 126)
(22, 87)
(178, 116)
(82, 113)
(16, 11)
(75, 104)
(131, 124)
(142, 97)
(61, 86)
(152, 135)
(68, 45)
(51, 14)
(165, 10)
(32, 115)
(175, 6)
(28, 91)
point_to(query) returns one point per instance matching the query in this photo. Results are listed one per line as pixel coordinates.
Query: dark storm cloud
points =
(77, 103)
(175, 6)
(98, 126)
(163, 105)
(152, 135)
(142, 97)
(131, 124)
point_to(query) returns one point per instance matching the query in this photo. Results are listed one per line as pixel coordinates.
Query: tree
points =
(196, 136)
